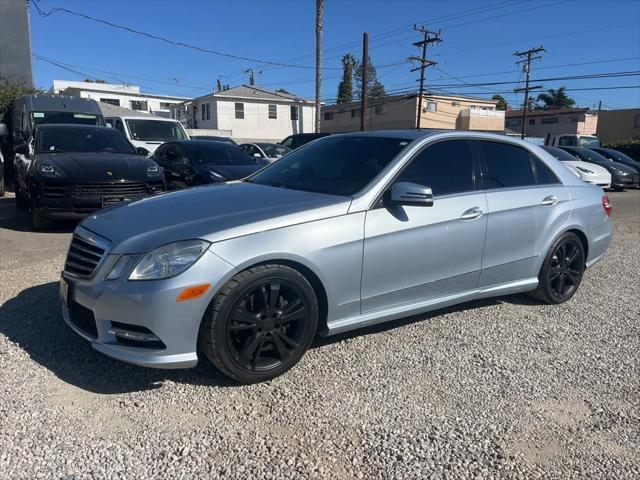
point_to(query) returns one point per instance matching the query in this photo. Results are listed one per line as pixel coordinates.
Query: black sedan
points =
(188, 163)
(69, 171)
(616, 156)
(622, 176)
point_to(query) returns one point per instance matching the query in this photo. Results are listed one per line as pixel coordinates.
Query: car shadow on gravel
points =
(11, 218)
(33, 321)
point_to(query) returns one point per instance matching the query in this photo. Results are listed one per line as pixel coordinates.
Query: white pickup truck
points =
(571, 140)
(148, 132)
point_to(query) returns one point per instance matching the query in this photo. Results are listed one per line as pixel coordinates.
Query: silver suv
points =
(347, 231)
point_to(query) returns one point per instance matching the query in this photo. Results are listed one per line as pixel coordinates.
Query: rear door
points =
(527, 204)
(416, 253)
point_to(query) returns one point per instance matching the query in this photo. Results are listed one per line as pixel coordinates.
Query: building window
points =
(328, 115)
(240, 110)
(432, 107)
(515, 122)
(294, 112)
(637, 121)
(111, 101)
(208, 111)
(203, 110)
(138, 105)
(549, 120)
(532, 121)
(379, 109)
(273, 112)
(455, 104)
(165, 105)
(355, 113)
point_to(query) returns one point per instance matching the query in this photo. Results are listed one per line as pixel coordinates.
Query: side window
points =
(506, 165)
(446, 167)
(120, 126)
(544, 174)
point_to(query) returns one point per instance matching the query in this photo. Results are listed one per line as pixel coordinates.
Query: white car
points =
(269, 152)
(588, 172)
(147, 131)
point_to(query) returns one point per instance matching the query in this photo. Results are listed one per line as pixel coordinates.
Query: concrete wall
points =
(619, 125)
(448, 108)
(481, 120)
(537, 124)
(15, 43)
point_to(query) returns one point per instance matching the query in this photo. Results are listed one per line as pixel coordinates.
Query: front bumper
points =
(625, 181)
(95, 308)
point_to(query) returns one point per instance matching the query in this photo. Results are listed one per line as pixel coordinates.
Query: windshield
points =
(56, 140)
(589, 142)
(155, 130)
(560, 154)
(590, 156)
(333, 165)
(274, 151)
(66, 117)
(218, 153)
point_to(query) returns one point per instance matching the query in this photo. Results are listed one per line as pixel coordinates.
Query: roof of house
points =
(252, 91)
(109, 110)
(393, 98)
(556, 111)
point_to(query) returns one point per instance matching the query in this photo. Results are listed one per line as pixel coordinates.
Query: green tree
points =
(555, 99)
(375, 88)
(502, 103)
(345, 88)
(9, 92)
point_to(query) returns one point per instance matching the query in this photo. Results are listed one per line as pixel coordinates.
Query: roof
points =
(109, 110)
(93, 88)
(393, 98)
(49, 126)
(60, 103)
(557, 111)
(259, 93)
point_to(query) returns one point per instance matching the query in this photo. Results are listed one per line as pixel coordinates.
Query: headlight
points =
(585, 170)
(48, 170)
(153, 170)
(169, 260)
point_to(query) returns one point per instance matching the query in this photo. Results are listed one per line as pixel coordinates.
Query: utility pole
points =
(252, 75)
(365, 80)
(529, 54)
(428, 37)
(319, 28)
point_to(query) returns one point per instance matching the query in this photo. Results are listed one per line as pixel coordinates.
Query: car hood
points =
(611, 165)
(595, 168)
(231, 172)
(213, 212)
(98, 167)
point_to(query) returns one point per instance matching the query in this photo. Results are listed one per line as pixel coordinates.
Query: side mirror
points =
(4, 131)
(142, 151)
(257, 155)
(407, 193)
(22, 149)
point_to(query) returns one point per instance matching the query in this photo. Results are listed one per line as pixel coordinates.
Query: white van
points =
(148, 132)
(571, 140)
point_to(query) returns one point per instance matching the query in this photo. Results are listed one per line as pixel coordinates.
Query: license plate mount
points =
(108, 201)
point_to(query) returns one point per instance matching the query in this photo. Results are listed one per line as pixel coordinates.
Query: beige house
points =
(539, 123)
(619, 125)
(396, 112)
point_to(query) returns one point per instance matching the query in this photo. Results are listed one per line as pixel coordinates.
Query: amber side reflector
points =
(191, 293)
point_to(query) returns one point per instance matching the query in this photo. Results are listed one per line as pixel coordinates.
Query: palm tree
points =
(555, 99)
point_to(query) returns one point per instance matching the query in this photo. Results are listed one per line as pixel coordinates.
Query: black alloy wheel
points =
(261, 323)
(562, 270)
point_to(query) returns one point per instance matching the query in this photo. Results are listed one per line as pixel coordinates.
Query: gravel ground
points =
(503, 388)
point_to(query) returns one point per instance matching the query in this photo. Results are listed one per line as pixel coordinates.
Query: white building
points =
(248, 114)
(127, 96)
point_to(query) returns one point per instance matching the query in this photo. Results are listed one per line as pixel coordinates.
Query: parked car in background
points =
(300, 139)
(70, 171)
(622, 176)
(265, 151)
(571, 140)
(350, 231)
(148, 132)
(616, 156)
(590, 173)
(1, 175)
(196, 162)
(214, 138)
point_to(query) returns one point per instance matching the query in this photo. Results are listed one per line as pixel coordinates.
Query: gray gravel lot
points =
(502, 388)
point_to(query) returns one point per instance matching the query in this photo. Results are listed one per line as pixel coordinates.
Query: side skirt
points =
(401, 311)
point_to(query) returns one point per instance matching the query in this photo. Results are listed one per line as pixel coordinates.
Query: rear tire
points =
(561, 271)
(260, 324)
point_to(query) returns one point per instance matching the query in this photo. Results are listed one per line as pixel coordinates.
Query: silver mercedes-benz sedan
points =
(347, 231)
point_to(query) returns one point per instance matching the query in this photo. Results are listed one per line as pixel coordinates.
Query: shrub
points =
(630, 147)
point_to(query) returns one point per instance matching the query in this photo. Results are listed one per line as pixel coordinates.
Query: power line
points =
(428, 37)
(529, 54)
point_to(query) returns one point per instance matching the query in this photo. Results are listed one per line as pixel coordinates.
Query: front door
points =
(416, 253)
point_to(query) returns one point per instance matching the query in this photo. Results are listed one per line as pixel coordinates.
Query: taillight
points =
(606, 204)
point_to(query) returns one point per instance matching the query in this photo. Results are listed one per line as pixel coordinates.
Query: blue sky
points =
(479, 38)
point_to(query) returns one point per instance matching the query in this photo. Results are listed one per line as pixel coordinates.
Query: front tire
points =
(260, 324)
(562, 270)
(38, 221)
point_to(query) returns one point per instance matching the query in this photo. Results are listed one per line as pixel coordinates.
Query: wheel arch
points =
(583, 239)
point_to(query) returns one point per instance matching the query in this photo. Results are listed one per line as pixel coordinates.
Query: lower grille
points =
(85, 254)
(83, 319)
(115, 189)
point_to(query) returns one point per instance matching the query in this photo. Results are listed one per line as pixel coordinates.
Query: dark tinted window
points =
(446, 167)
(507, 165)
(333, 165)
(64, 139)
(544, 174)
(217, 153)
(560, 154)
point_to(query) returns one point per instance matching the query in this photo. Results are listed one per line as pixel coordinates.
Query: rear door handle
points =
(472, 213)
(550, 200)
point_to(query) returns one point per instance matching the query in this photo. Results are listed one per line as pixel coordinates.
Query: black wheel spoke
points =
(251, 346)
(241, 315)
(280, 347)
(572, 276)
(243, 326)
(274, 294)
(554, 273)
(292, 343)
(298, 314)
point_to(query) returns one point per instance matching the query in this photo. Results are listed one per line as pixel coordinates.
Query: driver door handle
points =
(472, 213)
(550, 200)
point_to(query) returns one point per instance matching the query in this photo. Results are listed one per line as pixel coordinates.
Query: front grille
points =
(54, 190)
(84, 255)
(83, 319)
(115, 189)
